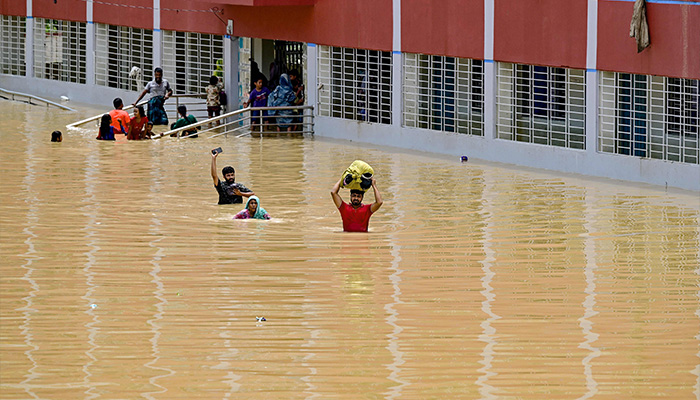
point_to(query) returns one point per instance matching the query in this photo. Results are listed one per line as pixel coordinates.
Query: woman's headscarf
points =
(283, 94)
(259, 212)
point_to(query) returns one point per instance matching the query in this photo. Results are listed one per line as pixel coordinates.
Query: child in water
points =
(106, 131)
(148, 130)
(56, 136)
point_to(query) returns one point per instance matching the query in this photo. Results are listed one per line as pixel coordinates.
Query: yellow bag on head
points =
(358, 176)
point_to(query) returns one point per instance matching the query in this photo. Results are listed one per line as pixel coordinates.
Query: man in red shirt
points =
(356, 215)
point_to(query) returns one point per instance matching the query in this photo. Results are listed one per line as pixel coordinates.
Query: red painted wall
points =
(454, 28)
(357, 23)
(192, 16)
(544, 32)
(127, 13)
(674, 30)
(364, 24)
(68, 10)
(15, 8)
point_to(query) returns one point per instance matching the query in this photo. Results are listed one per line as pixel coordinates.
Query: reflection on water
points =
(122, 278)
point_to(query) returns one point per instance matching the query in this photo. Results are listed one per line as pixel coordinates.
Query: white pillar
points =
(29, 42)
(312, 76)
(89, 45)
(592, 78)
(397, 67)
(157, 38)
(490, 89)
(231, 77)
(397, 89)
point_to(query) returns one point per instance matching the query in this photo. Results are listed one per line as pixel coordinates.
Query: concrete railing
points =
(31, 99)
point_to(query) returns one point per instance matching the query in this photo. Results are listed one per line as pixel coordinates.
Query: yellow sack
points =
(358, 176)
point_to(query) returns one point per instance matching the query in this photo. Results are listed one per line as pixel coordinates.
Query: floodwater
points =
(121, 278)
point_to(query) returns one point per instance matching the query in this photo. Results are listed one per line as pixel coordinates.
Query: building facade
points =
(540, 83)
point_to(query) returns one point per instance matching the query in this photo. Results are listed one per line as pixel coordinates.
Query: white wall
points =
(634, 169)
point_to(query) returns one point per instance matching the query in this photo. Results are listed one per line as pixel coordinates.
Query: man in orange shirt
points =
(120, 118)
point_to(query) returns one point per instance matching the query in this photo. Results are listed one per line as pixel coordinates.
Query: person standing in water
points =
(252, 210)
(106, 131)
(160, 91)
(229, 191)
(356, 215)
(120, 118)
(137, 124)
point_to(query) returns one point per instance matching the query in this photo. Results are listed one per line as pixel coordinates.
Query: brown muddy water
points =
(121, 278)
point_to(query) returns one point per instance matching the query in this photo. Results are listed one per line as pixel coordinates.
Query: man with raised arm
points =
(229, 191)
(356, 215)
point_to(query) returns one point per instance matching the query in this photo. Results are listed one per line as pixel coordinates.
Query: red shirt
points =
(136, 128)
(355, 220)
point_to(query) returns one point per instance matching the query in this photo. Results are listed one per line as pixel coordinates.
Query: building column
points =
(157, 37)
(490, 89)
(89, 45)
(312, 76)
(231, 71)
(397, 89)
(592, 79)
(29, 42)
(397, 67)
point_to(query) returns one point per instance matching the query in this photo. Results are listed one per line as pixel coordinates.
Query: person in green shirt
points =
(185, 120)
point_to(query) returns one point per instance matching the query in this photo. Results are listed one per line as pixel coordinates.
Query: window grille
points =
(290, 55)
(189, 59)
(12, 36)
(59, 50)
(118, 50)
(649, 116)
(443, 93)
(543, 105)
(357, 84)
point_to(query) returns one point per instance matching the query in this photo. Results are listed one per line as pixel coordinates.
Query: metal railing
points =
(242, 122)
(98, 116)
(180, 99)
(31, 99)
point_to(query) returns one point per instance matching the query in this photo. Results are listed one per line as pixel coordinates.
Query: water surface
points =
(122, 278)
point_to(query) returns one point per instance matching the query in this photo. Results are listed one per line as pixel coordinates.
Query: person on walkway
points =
(160, 91)
(214, 97)
(283, 96)
(252, 210)
(106, 131)
(298, 88)
(138, 124)
(229, 191)
(258, 98)
(120, 118)
(185, 120)
(356, 215)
